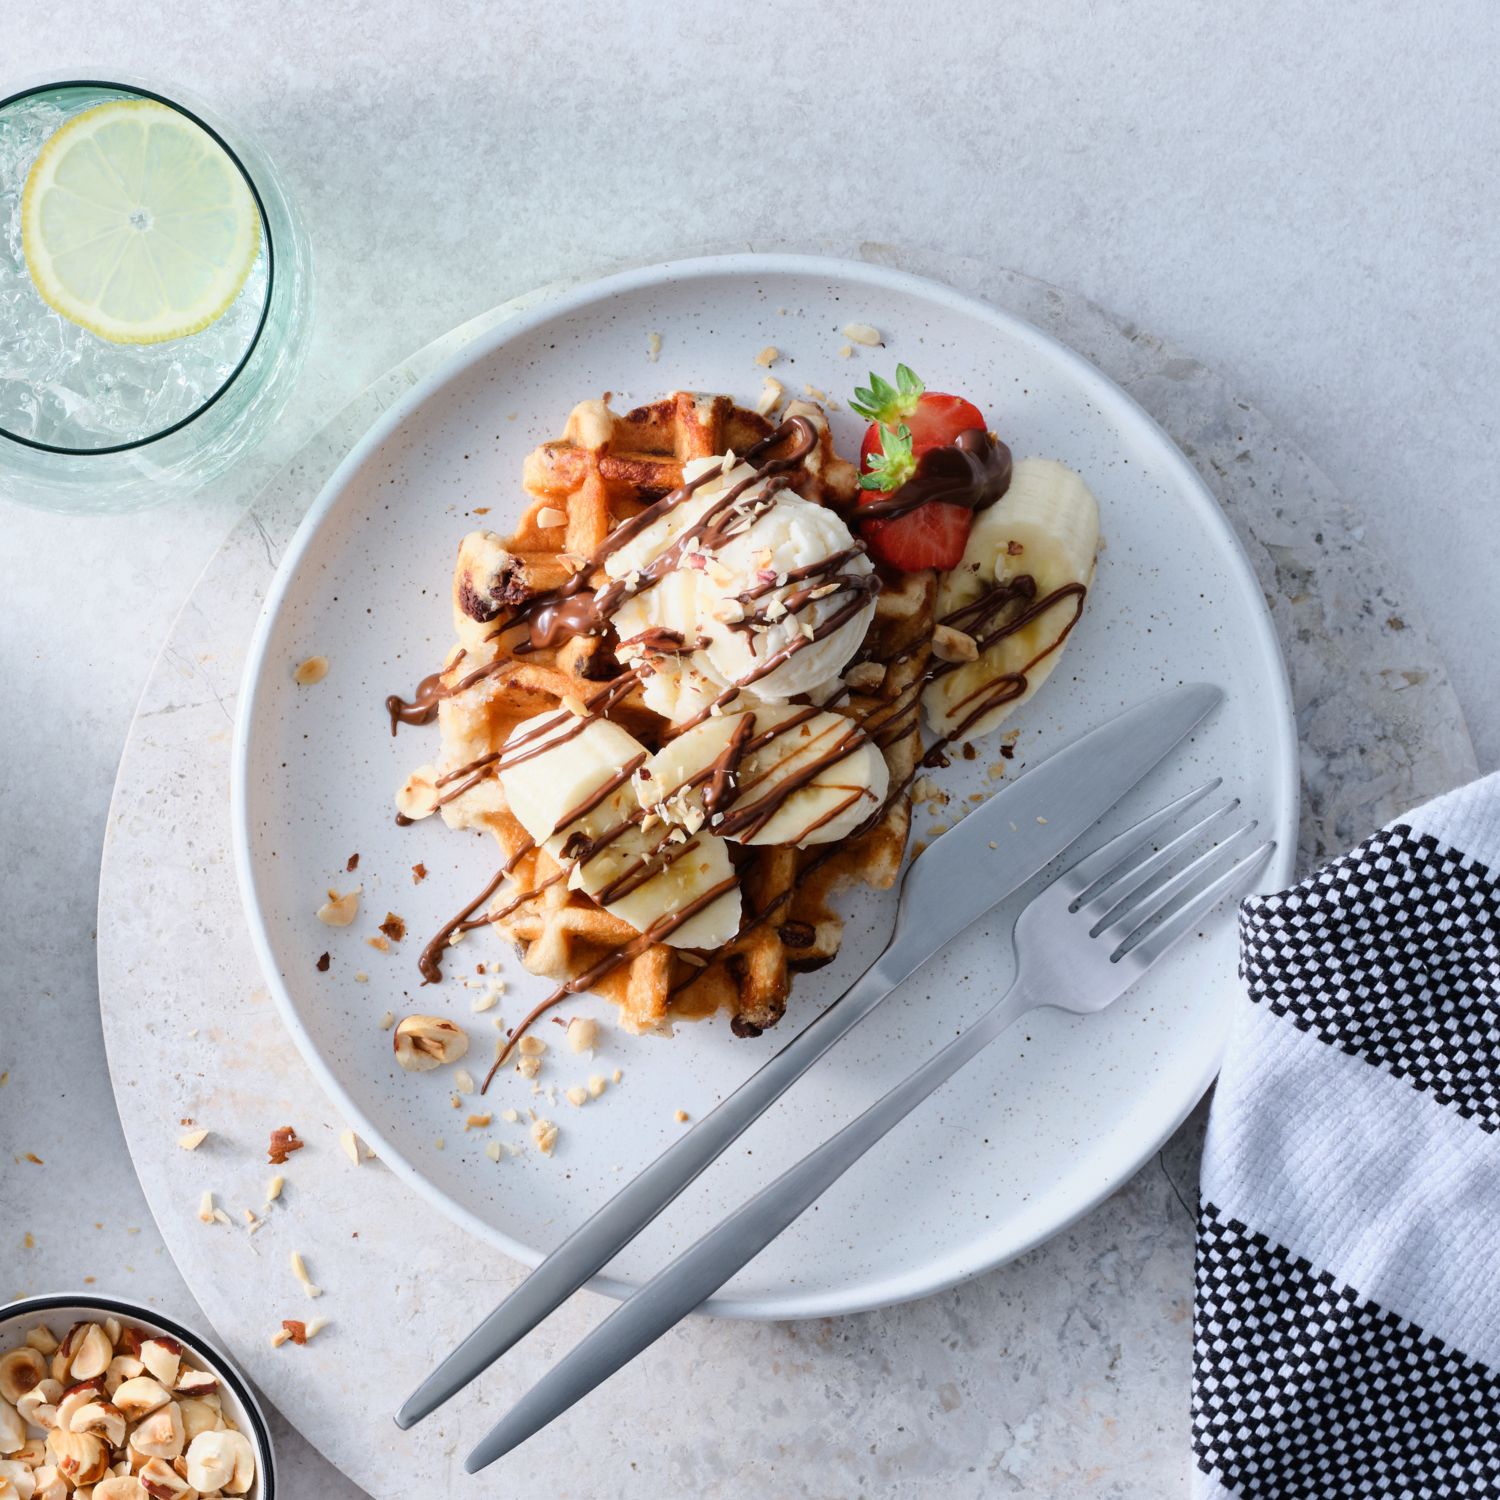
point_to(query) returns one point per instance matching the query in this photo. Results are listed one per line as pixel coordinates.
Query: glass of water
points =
(155, 293)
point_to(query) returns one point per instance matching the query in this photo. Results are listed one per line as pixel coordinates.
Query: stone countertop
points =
(1306, 227)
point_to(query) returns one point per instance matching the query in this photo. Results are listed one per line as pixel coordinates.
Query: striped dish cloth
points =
(1347, 1311)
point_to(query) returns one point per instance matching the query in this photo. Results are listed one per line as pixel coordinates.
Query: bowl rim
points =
(260, 1433)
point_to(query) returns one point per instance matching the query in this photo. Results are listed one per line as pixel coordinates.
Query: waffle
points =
(606, 468)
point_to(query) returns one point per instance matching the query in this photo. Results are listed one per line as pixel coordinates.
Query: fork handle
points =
(600, 1238)
(700, 1271)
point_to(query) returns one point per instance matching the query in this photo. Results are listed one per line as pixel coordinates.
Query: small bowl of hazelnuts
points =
(108, 1397)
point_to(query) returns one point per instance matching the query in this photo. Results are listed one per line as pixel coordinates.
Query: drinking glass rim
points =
(140, 91)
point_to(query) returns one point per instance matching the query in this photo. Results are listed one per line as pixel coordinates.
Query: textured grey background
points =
(1298, 197)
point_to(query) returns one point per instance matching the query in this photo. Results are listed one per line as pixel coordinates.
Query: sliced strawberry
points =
(906, 421)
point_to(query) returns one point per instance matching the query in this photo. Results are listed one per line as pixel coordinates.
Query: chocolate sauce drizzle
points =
(974, 471)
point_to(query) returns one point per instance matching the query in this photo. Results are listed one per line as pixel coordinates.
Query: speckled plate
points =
(1033, 1134)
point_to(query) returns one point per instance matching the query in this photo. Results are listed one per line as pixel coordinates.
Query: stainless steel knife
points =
(957, 880)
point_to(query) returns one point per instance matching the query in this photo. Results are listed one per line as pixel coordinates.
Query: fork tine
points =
(1106, 859)
(1158, 900)
(1148, 949)
(1127, 878)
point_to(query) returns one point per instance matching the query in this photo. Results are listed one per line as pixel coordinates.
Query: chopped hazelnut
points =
(340, 911)
(583, 1034)
(417, 796)
(425, 1042)
(299, 1270)
(949, 644)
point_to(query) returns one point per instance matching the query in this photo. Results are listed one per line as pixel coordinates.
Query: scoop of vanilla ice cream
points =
(699, 598)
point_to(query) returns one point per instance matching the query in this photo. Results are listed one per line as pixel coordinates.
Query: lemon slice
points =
(136, 224)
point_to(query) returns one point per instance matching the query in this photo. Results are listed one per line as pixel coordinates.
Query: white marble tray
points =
(1070, 1363)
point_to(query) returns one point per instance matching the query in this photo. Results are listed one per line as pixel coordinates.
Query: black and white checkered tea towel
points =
(1347, 1325)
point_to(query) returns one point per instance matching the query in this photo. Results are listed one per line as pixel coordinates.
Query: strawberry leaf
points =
(882, 402)
(894, 464)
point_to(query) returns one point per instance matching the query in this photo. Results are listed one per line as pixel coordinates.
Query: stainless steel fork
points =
(1080, 944)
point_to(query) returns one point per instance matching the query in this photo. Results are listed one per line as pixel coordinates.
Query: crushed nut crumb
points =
(283, 1142)
(192, 1140)
(953, 645)
(299, 1270)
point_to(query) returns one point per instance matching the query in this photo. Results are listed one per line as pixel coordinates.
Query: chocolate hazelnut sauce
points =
(560, 614)
(745, 820)
(423, 707)
(975, 472)
(723, 774)
(904, 713)
(972, 471)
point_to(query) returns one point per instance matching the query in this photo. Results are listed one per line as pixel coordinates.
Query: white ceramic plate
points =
(1038, 1130)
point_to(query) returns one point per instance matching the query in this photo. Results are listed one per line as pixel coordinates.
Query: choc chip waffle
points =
(606, 468)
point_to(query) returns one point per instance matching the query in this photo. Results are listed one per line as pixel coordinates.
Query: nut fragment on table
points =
(118, 1432)
(284, 1140)
(425, 1042)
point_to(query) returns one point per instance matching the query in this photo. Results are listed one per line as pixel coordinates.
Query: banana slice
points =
(813, 783)
(646, 877)
(1046, 527)
(641, 877)
(676, 690)
(567, 761)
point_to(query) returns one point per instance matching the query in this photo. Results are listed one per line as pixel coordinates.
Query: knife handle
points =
(600, 1238)
(700, 1271)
